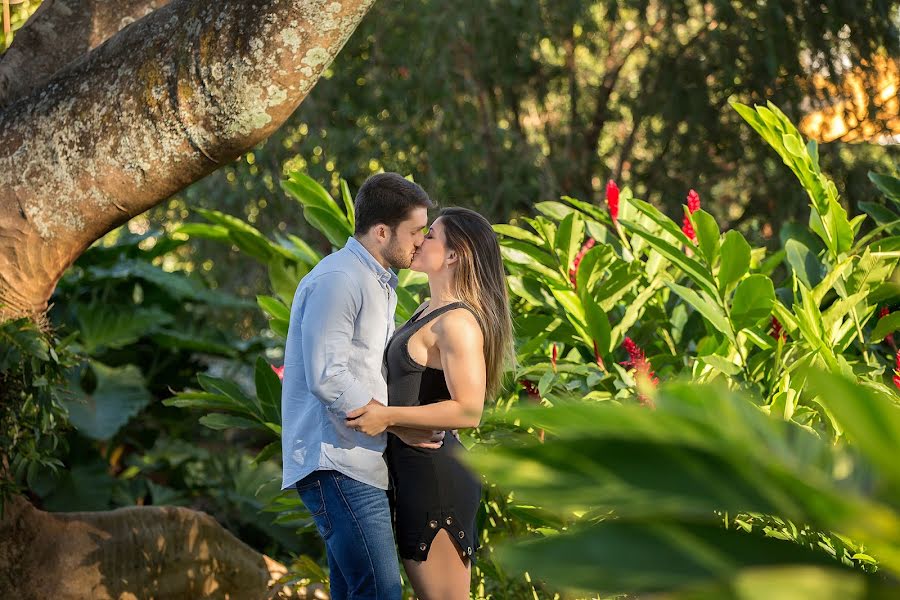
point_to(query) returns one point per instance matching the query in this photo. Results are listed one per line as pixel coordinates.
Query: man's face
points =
(406, 239)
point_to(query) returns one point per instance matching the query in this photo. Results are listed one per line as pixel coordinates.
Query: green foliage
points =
(33, 365)
(767, 452)
(116, 395)
(656, 486)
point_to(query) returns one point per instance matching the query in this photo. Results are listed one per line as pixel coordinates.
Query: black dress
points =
(431, 489)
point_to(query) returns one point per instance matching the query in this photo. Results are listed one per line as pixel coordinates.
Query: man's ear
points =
(382, 232)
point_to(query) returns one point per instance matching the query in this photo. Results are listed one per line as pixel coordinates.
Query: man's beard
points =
(396, 257)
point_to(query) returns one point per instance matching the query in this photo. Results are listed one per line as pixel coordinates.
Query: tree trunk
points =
(59, 32)
(104, 113)
(157, 106)
(137, 553)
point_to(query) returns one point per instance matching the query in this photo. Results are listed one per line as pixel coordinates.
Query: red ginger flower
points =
(897, 371)
(554, 356)
(637, 360)
(693, 205)
(693, 201)
(885, 311)
(573, 272)
(612, 200)
(597, 357)
(530, 389)
(278, 371)
(777, 331)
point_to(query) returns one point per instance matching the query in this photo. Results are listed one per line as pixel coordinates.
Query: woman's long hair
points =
(480, 282)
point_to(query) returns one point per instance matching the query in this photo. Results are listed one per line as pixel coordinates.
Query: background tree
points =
(494, 104)
(498, 104)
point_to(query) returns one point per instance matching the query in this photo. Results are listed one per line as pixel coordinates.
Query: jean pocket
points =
(314, 499)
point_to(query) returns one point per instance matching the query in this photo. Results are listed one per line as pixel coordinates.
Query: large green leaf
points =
(753, 300)
(527, 257)
(569, 238)
(233, 392)
(691, 267)
(889, 185)
(804, 263)
(349, 205)
(869, 418)
(886, 325)
(711, 311)
(828, 218)
(274, 307)
(119, 395)
(596, 321)
(593, 264)
(667, 224)
(268, 391)
(518, 233)
(735, 259)
(622, 556)
(103, 327)
(336, 229)
(309, 193)
(707, 231)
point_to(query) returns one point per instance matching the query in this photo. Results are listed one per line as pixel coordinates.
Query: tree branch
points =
(156, 107)
(59, 32)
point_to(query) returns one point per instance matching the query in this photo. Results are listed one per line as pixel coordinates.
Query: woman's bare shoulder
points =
(458, 327)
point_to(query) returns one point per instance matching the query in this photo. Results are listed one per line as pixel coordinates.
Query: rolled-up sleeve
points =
(332, 305)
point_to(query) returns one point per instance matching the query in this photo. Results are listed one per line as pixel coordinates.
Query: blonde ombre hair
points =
(480, 282)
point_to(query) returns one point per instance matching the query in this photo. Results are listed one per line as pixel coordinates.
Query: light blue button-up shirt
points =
(341, 320)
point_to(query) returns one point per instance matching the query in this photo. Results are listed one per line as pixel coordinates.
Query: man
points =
(341, 320)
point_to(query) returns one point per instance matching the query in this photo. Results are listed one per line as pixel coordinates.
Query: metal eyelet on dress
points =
(423, 547)
(469, 550)
(449, 521)
(433, 524)
(462, 534)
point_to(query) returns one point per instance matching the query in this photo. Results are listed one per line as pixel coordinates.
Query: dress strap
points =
(415, 320)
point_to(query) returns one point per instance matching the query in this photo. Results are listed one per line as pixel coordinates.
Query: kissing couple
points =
(369, 414)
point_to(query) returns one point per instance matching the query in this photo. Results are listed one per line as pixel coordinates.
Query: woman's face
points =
(431, 256)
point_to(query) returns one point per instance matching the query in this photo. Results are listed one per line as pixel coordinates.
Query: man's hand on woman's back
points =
(419, 438)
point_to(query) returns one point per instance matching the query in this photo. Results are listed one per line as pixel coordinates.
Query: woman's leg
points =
(444, 575)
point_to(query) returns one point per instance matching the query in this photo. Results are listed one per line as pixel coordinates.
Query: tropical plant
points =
(751, 467)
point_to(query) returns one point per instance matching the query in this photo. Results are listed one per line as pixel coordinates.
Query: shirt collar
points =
(383, 275)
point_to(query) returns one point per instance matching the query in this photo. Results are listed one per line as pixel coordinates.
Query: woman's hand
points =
(371, 419)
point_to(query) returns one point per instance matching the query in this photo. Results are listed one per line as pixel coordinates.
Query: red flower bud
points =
(776, 330)
(530, 389)
(688, 229)
(597, 356)
(553, 356)
(573, 272)
(278, 371)
(693, 201)
(637, 360)
(885, 311)
(612, 199)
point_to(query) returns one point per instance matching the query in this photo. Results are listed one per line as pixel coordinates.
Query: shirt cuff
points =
(355, 396)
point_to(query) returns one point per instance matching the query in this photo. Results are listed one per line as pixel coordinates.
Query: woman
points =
(441, 365)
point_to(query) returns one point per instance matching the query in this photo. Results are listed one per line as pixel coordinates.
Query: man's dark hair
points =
(387, 198)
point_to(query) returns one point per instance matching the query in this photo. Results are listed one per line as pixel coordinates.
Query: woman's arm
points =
(461, 346)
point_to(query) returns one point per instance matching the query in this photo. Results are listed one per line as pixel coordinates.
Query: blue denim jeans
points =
(354, 519)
